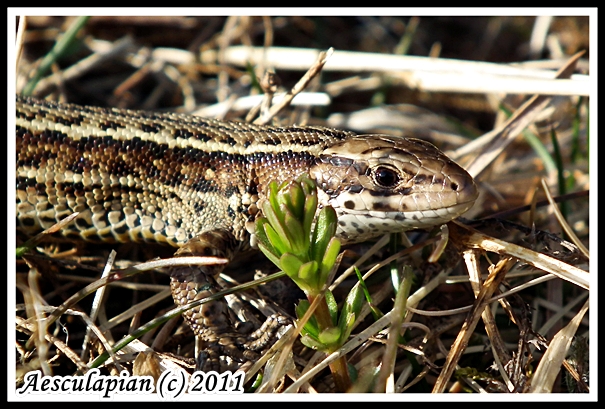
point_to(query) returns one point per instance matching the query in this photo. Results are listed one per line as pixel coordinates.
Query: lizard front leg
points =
(221, 346)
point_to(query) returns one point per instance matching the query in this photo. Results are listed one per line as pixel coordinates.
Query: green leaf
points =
(376, 313)
(296, 234)
(308, 272)
(329, 258)
(295, 199)
(327, 220)
(347, 326)
(325, 228)
(332, 306)
(262, 235)
(273, 257)
(312, 343)
(276, 222)
(291, 264)
(280, 243)
(272, 196)
(311, 327)
(307, 184)
(330, 336)
(350, 311)
(309, 212)
(354, 300)
(302, 308)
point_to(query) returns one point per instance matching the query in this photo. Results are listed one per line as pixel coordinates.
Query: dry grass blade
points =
(501, 354)
(313, 71)
(427, 73)
(386, 378)
(282, 349)
(97, 302)
(117, 50)
(41, 236)
(544, 262)
(549, 367)
(491, 284)
(119, 275)
(503, 136)
(135, 309)
(29, 328)
(568, 230)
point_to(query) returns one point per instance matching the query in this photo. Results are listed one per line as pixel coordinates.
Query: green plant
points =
(300, 240)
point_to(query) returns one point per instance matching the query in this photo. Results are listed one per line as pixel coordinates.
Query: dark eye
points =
(386, 177)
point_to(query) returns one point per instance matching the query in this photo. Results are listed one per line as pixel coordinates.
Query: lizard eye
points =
(385, 176)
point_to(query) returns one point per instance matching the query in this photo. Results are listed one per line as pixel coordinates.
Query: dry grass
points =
(500, 311)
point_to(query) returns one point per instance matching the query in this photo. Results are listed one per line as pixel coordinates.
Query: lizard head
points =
(382, 184)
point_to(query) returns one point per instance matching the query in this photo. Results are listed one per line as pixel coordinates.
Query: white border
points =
(12, 13)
